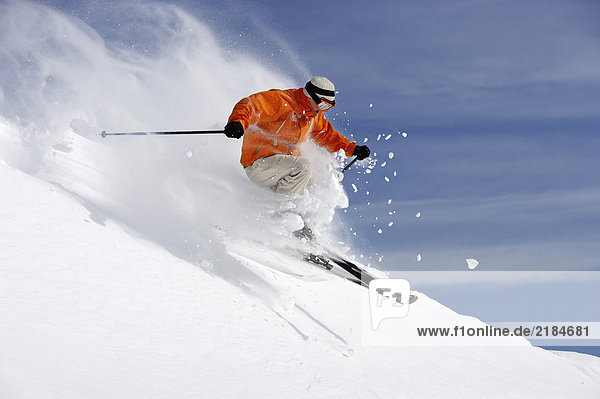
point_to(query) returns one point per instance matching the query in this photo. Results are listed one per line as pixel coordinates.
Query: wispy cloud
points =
(434, 61)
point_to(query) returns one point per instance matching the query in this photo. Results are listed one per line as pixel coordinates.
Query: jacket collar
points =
(304, 103)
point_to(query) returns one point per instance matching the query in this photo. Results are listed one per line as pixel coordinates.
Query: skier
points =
(275, 123)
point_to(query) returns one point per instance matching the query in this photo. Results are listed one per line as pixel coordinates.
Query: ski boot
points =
(318, 260)
(304, 233)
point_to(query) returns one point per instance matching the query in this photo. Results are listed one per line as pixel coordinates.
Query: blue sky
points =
(500, 100)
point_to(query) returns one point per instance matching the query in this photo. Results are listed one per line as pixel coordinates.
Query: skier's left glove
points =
(361, 152)
(234, 130)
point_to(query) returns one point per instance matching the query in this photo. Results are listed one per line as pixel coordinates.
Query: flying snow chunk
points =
(418, 214)
(391, 155)
(387, 179)
(389, 201)
(472, 263)
(388, 137)
(418, 257)
(189, 154)
(379, 231)
(371, 105)
(404, 134)
(354, 187)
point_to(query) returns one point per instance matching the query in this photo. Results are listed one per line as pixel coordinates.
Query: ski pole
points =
(350, 164)
(104, 133)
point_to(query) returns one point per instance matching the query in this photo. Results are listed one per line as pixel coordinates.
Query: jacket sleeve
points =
(265, 106)
(324, 136)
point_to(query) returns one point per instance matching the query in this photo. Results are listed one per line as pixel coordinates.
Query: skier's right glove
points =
(234, 130)
(361, 152)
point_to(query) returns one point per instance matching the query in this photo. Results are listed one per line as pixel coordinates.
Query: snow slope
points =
(89, 310)
(120, 275)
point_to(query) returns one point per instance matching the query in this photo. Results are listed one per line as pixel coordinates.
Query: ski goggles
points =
(325, 104)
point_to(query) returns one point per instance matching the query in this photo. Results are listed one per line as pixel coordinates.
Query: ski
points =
(305, 247)
(318, 260)
(333, 262)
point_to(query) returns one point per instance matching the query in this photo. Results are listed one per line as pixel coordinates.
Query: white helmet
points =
(321, 89)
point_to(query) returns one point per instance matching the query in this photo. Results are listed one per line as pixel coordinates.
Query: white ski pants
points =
(285, 174)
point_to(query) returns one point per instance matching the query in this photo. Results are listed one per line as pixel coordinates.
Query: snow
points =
(586, 364)
(472, 263)
(123, 269)
(96, 312)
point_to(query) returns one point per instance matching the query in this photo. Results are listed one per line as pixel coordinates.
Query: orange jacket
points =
(278, 121)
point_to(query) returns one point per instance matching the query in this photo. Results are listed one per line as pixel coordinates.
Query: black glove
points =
(234, 130)
(361, 152)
